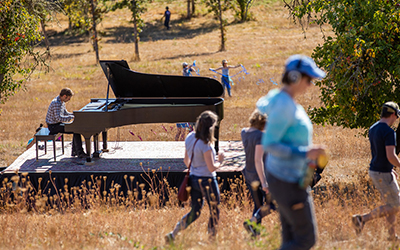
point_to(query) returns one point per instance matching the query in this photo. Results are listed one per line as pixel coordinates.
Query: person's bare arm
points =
(216, 68)
(211, 164)
(186, 159)
(391, 156)
(258, 159)
(232, 67)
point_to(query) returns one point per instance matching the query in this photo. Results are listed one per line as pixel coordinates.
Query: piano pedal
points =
(106, 150)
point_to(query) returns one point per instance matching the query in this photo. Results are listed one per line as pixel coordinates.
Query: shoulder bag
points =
(183, 194)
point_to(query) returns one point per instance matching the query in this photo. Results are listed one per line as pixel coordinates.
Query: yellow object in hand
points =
(322, 160)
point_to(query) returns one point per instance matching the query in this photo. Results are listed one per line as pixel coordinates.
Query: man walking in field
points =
(383, 143)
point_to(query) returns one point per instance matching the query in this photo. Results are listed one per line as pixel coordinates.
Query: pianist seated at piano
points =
(57, 116)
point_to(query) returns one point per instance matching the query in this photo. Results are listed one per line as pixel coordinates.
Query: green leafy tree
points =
(137, 8)
(19, 35)
(243, 9)
(84, 16)
(217, 7)
(361, 54)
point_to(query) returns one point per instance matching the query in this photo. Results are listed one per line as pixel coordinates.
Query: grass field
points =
(262, 46)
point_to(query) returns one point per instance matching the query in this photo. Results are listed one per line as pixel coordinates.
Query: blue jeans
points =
(203, 187)
(260, 199)
(226, 84)
(296, 210)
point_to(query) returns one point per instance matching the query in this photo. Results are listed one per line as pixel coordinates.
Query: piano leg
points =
(104, 135)
(216, 135)
(97, 152)
(88, 149)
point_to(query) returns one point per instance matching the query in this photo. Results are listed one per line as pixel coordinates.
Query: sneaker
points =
(250, 229)
(169, 238)
(358, 223)
(394, 238)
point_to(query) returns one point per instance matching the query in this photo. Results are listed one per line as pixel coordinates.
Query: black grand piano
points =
(145, 98)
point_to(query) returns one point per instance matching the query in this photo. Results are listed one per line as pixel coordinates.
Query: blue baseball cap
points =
(305, 65)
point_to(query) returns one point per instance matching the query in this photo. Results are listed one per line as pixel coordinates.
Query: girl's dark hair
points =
(205, 125)
(258, 120)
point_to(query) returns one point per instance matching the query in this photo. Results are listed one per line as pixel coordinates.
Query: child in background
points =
(225, 79)
(181, 131)
(187, 69)
(254, 172)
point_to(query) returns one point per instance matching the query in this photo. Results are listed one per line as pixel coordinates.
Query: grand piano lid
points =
(127, 83)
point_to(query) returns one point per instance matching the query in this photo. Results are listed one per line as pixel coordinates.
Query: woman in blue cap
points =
(288, 142)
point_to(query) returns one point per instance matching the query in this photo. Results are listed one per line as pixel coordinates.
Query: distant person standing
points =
(181, 127)
(167, 16)
(57, 115)
(225, 79)
(181, 131)
(383, 144)
(187, 69)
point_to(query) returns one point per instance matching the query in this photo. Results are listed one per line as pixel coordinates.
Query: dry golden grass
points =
(262, 46)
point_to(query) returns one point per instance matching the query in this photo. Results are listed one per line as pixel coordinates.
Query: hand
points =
(221, 157)
(315, 151)
(265, 189)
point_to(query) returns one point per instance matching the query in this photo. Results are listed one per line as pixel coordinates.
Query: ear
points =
(294, 77)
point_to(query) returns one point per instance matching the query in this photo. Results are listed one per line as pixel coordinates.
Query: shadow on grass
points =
(156, 31)
(153, 31)
(61, 38)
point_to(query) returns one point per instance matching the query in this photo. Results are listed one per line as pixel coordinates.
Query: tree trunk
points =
(1, 82)
(46, 39)
(193, 7)
(221, 25)
(69, 24)
(135, 32)
(95, 45)
(188, 9)
(247, 8)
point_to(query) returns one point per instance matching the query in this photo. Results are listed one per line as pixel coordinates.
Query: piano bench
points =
(44, 135)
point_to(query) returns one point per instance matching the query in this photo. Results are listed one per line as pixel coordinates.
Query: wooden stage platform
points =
(144, 159)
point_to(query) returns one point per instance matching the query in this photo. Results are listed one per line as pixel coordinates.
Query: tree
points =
(361, 58)
(244, 7)
(83, 16)
(216, 7)
(19, 35)
(190, 9)
(188, 16)
(137, 8)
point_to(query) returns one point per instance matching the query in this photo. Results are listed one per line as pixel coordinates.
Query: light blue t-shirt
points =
(198, 165)
(287, 136)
